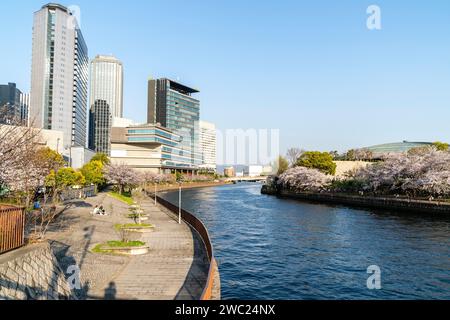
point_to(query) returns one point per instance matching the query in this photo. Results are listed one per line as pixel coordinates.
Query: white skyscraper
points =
(59, 75)
(107, 83)
(208, 141)
(106, 101)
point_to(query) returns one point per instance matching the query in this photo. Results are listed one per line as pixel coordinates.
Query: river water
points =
(270, 248)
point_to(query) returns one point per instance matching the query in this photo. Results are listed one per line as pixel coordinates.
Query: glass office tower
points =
(171, 104)
(10, 104)
(100, 125)
(106, 100)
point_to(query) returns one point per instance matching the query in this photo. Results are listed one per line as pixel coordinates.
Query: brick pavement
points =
(175, 268)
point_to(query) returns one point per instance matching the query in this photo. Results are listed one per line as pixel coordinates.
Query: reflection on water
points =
(270, 248)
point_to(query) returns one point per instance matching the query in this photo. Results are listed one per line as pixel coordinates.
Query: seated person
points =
(37, 205)
(96, 210)
(102, 211)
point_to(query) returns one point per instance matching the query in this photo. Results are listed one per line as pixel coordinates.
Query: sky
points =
(311, 69)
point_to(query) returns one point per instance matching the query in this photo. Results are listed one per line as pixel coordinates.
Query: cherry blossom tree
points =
(415, 173)
(23, 162)
(123, 176)
(303, 179)
(157, 178)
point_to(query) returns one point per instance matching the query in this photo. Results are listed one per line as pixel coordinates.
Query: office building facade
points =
(59, 75)
(107, 83)
(208, 142)
(100, 124)
(24, 108)
(172, 105)
(150, 148)
(106, 101)
(13, 105)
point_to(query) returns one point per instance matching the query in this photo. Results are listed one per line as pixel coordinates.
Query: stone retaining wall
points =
(32, 273)
(373, 202)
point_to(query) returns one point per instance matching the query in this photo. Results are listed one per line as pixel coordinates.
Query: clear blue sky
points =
(310, 68)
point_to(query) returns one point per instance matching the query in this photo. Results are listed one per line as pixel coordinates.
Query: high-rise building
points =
(100, 124)
(24, 108)
(59, 75)
(107, 83)
(208, 141)
(13, 105)
(106, 101)
(10, 104)
(171, 105)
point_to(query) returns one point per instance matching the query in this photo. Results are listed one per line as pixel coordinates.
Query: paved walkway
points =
(175, 268)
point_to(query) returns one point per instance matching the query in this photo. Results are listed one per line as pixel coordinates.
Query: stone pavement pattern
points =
(175, 268)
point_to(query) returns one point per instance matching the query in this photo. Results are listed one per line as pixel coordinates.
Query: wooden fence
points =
(12, 228)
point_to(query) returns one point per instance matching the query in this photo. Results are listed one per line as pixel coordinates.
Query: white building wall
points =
(38, 69)
(80, 156)
(63, 91)
(208, 142)
(122, 122)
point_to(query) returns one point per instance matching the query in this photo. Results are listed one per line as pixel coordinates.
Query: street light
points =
(179, 204)
(57, 145)
(155, 194)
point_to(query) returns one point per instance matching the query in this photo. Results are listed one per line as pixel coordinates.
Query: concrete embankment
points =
(32, 273)
(365, 201)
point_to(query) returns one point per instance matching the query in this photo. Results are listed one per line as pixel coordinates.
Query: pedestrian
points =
(96, 211)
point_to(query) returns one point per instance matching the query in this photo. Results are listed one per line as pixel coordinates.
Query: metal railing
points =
(197, 225)
(12, 228)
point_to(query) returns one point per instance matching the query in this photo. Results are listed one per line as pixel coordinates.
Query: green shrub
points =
(322, 161)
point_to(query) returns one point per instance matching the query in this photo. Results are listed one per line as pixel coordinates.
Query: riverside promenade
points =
(175, 268)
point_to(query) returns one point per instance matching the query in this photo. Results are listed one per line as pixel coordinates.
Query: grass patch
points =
(132, 225)
(103, 248)
(122, 244)
(125, 197)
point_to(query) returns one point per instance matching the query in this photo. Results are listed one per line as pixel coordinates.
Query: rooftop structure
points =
(397, 147)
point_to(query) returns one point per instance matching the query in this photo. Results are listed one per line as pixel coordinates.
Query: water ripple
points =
(270, 248)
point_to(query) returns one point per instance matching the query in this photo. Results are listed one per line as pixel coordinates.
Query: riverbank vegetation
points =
(124, 197)
(419, 173)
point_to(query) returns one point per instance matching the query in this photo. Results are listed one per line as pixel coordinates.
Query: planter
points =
(139, 229)
(134, 250)
(129, 251)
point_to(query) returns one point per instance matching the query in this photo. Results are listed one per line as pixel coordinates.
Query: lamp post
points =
(155, 194)
(179, 204)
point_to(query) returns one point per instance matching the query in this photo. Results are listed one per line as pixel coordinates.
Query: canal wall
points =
(212, 288)
(32, 273)
(364, 201)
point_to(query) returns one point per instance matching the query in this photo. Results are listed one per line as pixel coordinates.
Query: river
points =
(270, 248)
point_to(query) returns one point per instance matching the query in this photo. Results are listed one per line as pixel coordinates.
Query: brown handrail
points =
(197, 225)
(12, 228)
